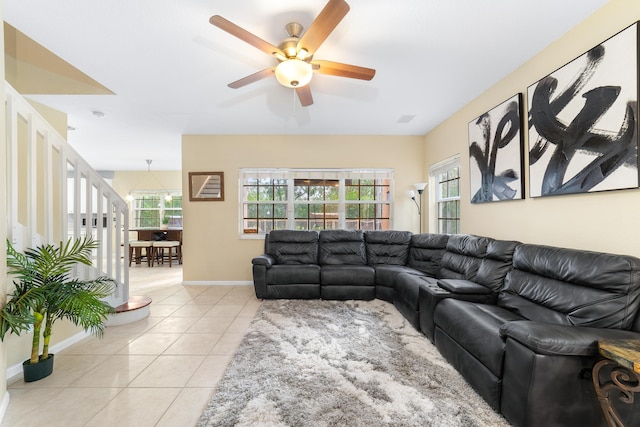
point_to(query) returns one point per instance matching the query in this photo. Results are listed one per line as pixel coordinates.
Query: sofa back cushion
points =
(496, 264)
(462, 257)
(425, 252)
(341, 247)
(572, 287)
(387, 247)
(292, 246)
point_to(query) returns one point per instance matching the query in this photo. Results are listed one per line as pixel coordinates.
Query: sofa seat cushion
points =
(294, 291)
(386, 274)
(347, 275)
(408, 286)
(293, 274)
(476, 327)
(562, 340)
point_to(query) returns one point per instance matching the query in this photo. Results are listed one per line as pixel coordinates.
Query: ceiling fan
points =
(295, 53)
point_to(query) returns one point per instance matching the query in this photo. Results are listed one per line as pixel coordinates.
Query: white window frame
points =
(434, 196)
(161, 194)
(290, 175)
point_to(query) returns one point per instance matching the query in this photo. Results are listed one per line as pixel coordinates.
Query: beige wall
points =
(55, 118)
(125, 181)
(3, 221)
(598, 221)
(213, 250)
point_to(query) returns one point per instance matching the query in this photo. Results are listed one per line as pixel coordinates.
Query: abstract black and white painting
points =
(495, 153)
(583, 121)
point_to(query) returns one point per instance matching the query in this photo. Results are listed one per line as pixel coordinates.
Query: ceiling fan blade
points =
(323, 25)
(304, 93)
(246, 36)
(252, 78)
(343, 70)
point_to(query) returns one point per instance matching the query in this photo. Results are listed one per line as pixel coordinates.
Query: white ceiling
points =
(169, 67)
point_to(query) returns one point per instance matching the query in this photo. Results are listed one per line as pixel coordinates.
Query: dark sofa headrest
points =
(293, 236)
(387, 247)
(501, 250)
(327, 236)
(388, 237)
(292, 246)
(573, 287)
(592, 269)
(429, 241)
(426, 251)
(462, 258)
(342, 247)
(496, 263)
(468, 244)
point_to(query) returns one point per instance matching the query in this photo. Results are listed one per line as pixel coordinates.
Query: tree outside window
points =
(304, 201)
(151, 209)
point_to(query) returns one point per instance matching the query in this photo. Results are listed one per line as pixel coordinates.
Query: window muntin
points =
(366, 208)
(172, 213)
(314, 200)
(448, 200)
(151, 209)
(444, 201)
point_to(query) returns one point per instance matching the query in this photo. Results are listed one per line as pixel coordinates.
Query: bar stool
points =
(135, 251)
(158, 251)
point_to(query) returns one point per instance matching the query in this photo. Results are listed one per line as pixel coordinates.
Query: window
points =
(151, 209)
(316, 203)
(445, 202)
(276, 199)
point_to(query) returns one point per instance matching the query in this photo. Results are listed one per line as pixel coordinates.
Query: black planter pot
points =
(37, 371)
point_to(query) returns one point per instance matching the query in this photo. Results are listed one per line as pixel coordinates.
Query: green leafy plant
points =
(45, 291)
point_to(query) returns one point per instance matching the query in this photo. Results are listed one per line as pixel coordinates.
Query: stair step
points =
(136, 308)
(134, 303)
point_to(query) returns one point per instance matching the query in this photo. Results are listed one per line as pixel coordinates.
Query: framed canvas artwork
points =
(495, 153)
(583, 121)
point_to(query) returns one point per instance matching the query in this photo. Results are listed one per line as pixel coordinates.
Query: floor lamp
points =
(420, 186)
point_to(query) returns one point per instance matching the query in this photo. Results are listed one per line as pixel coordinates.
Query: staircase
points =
(53, 194)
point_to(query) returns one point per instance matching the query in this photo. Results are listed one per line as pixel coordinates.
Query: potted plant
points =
(165, 223)
(45, 291)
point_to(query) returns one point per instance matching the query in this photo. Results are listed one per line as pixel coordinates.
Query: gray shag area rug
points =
(337, 363)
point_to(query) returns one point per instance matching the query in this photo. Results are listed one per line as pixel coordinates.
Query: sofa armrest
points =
(264, 259)
(430, 295)
(460, 286)
(566, 340)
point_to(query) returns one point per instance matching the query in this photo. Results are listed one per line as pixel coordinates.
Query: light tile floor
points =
(160, 371)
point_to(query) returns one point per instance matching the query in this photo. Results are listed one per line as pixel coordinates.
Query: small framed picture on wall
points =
(206, 186)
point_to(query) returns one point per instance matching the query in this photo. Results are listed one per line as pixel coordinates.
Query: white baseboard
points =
(15, 371)
(217, 283)
(4, 405)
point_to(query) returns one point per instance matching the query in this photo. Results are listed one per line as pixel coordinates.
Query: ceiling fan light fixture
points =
(294, 73)
(303, 54)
